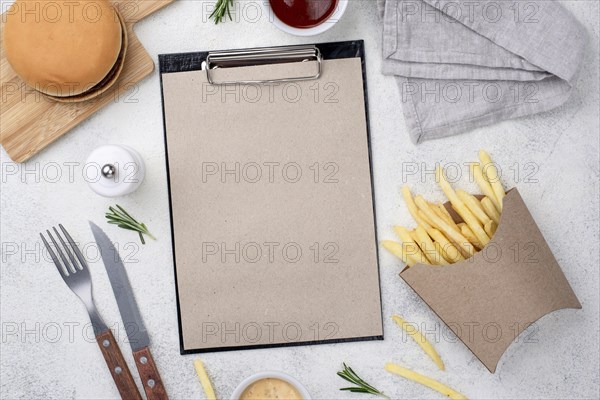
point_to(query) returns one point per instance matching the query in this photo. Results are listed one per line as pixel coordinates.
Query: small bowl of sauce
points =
(270, 385)
(305, 17)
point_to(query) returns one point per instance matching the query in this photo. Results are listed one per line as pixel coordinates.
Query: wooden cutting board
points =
(30, 121)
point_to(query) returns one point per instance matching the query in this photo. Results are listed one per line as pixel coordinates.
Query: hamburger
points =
(67, 50)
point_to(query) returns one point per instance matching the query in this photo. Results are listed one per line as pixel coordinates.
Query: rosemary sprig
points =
(361, 386)
(118, 216)
(222, 8)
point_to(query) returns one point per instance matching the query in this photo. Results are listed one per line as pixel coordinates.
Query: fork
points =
(77, 277)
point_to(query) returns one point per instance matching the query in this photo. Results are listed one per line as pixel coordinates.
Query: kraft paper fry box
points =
(489, 299)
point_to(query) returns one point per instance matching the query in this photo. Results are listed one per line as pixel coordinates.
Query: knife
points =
(130, 313)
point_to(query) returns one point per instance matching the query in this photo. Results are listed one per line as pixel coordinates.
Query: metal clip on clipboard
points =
(262, 56)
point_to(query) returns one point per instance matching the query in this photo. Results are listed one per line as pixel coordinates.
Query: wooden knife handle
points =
(117, 366)
(153, 385)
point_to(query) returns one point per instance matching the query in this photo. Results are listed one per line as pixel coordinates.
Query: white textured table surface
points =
(46, 351)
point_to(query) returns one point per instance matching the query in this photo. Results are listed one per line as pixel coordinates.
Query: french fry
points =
(436, 208)
(204, 380)
(489, 169)
(449, 250)
(490, 228)
(424, 380)
(490, 209)
(428, 247)
(453, 224)
(461, 209)
(441, 211)
(426, 219)
(399, 251)
(484, 185)
(474, 205)
(408, 240)
(414, 237)
(443, 226)
(448, 218)
(421, 340)
(468, 233)
(444, 211)
(440, 251)
(412, 208)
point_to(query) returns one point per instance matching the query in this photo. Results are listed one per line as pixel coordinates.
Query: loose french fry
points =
(407, 240)
(421, 340)
(474, 205)
(399, 251)
(427, 246)
(490, 210)
(490, 228)
(449, 250)
(424, 380)
(443, 226)
(204, 380)
(461, 209)
(468, 233)
(489, 170)
(412, 208)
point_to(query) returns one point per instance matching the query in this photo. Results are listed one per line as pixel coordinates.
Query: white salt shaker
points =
(114, 170)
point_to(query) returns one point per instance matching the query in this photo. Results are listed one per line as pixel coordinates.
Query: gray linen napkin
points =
(461, 64)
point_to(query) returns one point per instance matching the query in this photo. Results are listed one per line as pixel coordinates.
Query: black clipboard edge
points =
(192, 61)
(184, 352)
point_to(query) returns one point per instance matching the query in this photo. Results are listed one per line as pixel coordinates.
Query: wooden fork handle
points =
(117, 366)
(153, 385)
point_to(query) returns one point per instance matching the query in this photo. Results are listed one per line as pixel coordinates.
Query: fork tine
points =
(59, 267)
(73, 261)
(66, 264)
(74, 247)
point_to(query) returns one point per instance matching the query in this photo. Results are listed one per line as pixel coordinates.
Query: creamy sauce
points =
(271, 389)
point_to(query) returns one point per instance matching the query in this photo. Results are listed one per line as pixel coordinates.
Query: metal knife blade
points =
(130, 313)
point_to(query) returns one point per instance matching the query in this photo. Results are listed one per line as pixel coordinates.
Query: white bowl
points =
(270, 374)
(315, 30)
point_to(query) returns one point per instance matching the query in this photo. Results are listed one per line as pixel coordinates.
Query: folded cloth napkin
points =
(461, 64)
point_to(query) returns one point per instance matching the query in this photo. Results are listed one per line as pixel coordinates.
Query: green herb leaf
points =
(222, 8)
(355, 389)
(349, 375)
(118, 216)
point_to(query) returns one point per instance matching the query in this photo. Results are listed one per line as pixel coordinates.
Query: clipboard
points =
(271, 197)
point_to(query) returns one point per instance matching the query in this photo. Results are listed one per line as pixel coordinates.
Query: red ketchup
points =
(303, 13)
